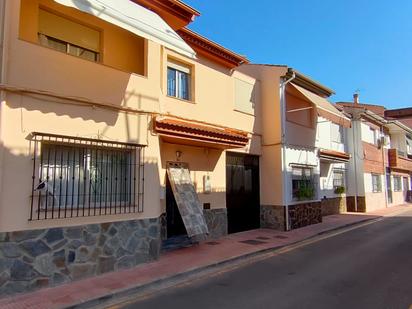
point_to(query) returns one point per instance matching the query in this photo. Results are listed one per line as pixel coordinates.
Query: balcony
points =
(396, 160)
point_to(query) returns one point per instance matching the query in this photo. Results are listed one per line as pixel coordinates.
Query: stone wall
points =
(216, 220)
(332, 206)
(39, 258)
(305, 214)
(272, 217)
(350, 204)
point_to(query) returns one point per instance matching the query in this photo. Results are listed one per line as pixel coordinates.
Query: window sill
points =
(244, 112)
(181, 100)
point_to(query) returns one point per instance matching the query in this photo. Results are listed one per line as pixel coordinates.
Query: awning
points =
(187, 200)
(324, 107)
(196, 134)
(134, 18)
(333, 156)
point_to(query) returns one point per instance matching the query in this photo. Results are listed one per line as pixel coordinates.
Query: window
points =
(178, 81)
(67, 36)
(82, 177)
(336, 133)
(303, 186)
(397, 183)
(376, 183)
(375, 136)
(338, 179)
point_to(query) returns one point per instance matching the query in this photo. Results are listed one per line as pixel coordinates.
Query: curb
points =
(184, 277)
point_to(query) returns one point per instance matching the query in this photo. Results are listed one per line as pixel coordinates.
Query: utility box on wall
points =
(207, 187)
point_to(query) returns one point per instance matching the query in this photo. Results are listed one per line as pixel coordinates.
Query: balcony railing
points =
(396, 160)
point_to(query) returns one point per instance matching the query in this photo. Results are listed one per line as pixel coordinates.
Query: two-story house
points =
(379, 169)
(115, 127)
(303, 153)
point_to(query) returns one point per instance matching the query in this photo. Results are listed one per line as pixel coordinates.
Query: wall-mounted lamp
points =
(178, 155)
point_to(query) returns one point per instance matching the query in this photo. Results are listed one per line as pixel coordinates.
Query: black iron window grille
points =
(78, 177)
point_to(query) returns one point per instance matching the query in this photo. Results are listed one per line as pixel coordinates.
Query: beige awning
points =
(324, 108)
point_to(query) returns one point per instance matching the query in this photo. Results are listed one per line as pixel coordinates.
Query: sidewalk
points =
(181, 263)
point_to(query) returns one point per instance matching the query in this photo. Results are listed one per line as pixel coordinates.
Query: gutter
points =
(283, 144)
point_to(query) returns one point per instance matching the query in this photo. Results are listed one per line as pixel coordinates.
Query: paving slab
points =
(183, 262)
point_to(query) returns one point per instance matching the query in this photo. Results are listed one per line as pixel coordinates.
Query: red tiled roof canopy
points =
(186, 132)
(334, 155)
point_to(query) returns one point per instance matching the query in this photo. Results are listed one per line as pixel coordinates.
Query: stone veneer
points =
(332, 206)
(350, 204)
(39, 258)
(216, 220)
(305, 214)
(272, 217)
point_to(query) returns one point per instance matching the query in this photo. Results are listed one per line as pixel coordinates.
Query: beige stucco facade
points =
(43, 88)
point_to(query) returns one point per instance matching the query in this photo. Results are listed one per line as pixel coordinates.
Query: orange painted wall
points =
(119, 48)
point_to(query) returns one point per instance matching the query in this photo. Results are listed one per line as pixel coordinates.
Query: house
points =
(120, 129)
(380, 166)
(303, 149)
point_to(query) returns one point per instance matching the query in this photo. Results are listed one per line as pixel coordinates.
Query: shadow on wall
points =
(198, 158)
(17, 168)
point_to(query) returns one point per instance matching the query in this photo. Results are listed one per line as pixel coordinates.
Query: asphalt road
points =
(369, 267)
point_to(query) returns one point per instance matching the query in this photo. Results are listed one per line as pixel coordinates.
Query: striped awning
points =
(324, 108)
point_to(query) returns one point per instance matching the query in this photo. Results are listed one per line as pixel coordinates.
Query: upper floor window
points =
(178, 81)
(337, 133)
(67, 36)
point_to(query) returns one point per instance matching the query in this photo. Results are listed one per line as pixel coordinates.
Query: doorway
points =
(389, 188)
(405, 188)
(242, 192)
(175, 225)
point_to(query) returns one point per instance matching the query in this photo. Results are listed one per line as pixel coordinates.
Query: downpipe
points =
(283, 143)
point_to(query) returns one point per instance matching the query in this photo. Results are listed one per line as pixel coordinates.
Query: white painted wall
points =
(300, 155)
(355, 179)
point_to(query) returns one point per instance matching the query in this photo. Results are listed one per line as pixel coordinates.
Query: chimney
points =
(356, 98)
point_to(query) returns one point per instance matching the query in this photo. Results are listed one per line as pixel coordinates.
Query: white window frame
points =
(179, 69)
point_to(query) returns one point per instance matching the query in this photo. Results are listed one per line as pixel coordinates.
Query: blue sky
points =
(346, 45)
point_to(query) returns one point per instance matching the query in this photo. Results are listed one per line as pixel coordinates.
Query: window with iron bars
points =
(77, 177)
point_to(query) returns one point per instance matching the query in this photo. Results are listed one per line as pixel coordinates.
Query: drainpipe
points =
(283, 144)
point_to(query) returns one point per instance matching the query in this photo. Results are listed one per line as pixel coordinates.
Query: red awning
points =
(191, 133)
(333, 155)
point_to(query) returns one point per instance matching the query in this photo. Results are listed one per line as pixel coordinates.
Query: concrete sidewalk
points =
(178, 265)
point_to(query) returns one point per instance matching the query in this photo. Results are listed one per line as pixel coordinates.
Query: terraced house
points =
(124, 134)
(380, 167)
(113, 116)
(303, 149)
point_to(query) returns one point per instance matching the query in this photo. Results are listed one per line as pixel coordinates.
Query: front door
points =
(242, 192)
(175, 226)
(405, 188)
(389, 188)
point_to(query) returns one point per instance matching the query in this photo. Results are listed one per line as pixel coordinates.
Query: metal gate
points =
(242, 192)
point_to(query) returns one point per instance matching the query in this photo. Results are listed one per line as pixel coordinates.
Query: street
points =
(368, 267)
